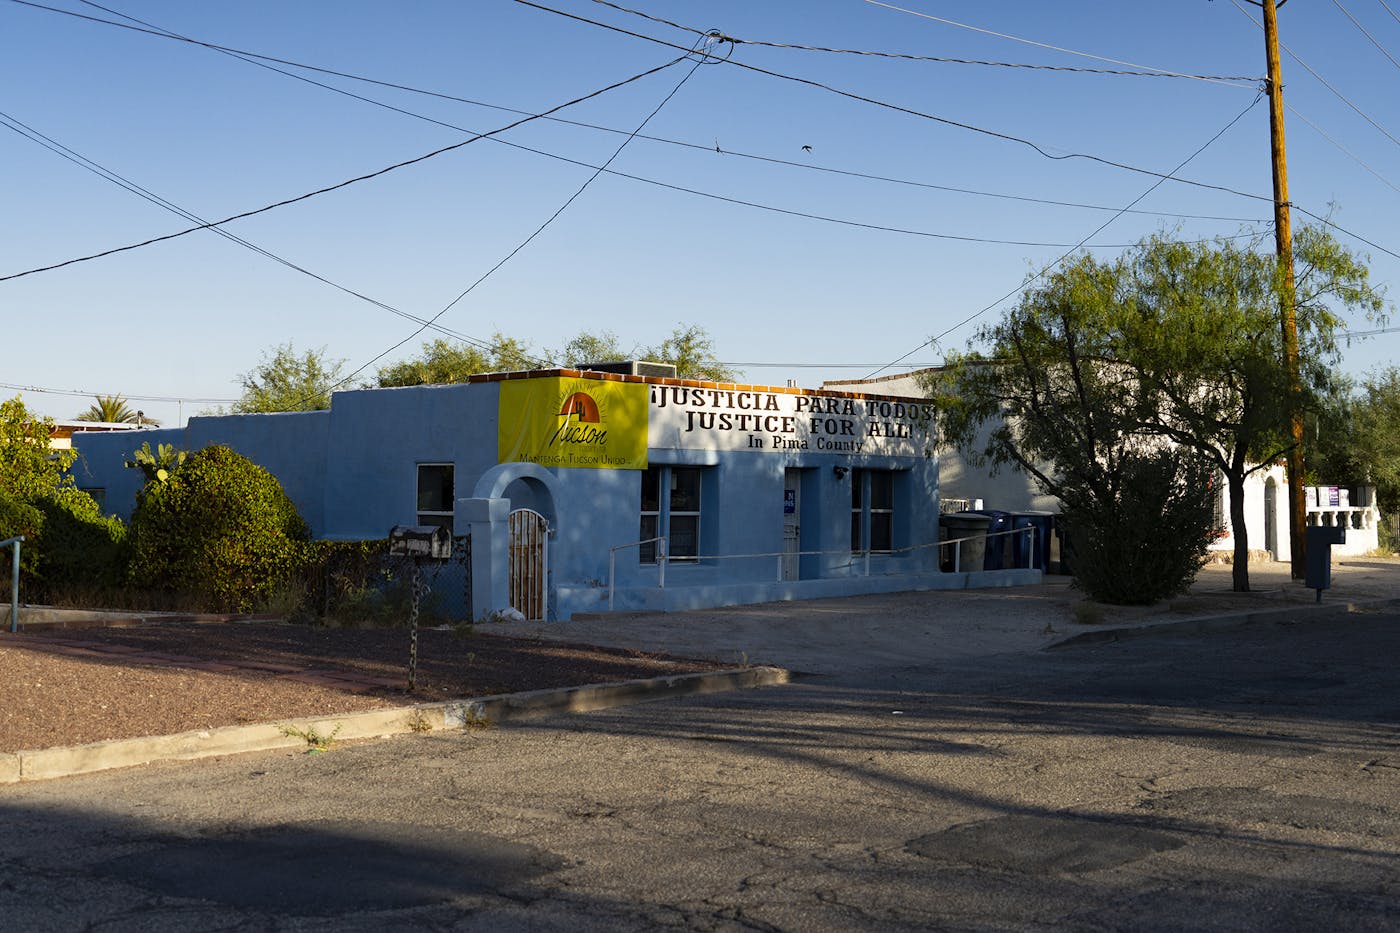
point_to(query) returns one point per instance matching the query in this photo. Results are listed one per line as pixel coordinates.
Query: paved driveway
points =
(871, 636)
(1244, 780)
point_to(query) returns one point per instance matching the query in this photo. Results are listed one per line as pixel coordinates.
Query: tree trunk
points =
(1240, 568)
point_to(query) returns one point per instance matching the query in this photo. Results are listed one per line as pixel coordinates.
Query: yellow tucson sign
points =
(573, 423)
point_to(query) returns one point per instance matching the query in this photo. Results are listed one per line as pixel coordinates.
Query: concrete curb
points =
(46, 763)
(1221, 623)
(47, 619)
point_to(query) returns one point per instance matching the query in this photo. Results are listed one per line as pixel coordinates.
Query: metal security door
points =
(529, 563)
(792, 528)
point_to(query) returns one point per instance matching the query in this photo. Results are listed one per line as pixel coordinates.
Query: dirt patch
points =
(72, 687)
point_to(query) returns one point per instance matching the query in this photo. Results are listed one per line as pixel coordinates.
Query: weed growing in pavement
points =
(315, 741)
(474, 717)
(419, 723)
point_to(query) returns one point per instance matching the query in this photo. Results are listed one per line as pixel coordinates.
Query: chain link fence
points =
(362, 584)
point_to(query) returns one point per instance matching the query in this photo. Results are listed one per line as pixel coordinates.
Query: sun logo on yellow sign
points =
(580, 422)
(583, 405)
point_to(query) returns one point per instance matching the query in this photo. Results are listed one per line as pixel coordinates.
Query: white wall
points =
(1361, 521)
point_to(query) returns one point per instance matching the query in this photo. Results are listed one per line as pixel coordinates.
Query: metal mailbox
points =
(431, 541)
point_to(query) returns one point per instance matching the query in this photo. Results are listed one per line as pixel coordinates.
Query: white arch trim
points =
(493, 484)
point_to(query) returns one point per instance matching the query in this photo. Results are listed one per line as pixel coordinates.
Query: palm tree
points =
(113, 409)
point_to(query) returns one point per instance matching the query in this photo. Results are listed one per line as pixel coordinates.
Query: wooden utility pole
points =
(1283, 240)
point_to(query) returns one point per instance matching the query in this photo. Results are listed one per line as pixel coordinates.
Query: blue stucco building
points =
(586, 491)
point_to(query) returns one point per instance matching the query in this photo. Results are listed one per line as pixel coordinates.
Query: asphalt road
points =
(1239, 780)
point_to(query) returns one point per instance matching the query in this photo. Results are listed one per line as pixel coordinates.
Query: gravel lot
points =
(72, 686)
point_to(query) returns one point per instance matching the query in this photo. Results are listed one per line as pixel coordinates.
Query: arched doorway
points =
(532, 491)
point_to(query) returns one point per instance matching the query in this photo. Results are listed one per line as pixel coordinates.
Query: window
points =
(1220, 492)
(872, 510)
(651, 512)
(435, 497)
(671, 509)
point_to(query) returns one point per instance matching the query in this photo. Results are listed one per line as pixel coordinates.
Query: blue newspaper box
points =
(1318, 567)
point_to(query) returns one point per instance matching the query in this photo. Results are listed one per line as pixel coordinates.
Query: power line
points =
(528, 240)
(1318, 217)
(1056, 48)
(632, 177)
(84, 393)
(1155, 73)
(1369, 333)
(446, 331)
(1338, 227)
(1389, 10)
(258, 59)
(1131, 168)
(1353, 156)
(203, 224)
(1325, 83)
(995, 134)
(343, 184)
(1046, 269)
(28, 132)
(771, 365)
(1380, 48)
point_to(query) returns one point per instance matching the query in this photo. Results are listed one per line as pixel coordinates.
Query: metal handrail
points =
(660, 543)
(662, 557)
(14, 544)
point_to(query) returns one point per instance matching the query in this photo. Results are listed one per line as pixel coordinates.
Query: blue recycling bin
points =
(1034, 549)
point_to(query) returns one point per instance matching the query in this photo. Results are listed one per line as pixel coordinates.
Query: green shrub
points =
(19, 518)
(79, 547)
(69, 544)
(219, 526)
(1146, 540)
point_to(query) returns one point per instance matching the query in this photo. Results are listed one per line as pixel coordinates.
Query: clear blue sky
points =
(784, 297)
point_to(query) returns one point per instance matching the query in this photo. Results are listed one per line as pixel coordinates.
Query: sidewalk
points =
(899, 630)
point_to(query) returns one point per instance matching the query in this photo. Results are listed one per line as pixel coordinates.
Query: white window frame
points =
(864, 513)
(662, 516)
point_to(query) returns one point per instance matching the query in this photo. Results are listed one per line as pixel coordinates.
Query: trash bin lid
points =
(971, 521)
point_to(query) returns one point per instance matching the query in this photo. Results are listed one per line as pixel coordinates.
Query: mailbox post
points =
(1318, 569)
(13, 544)
(417, 542)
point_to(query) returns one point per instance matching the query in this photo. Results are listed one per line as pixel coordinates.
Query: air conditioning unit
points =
(633, 368)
